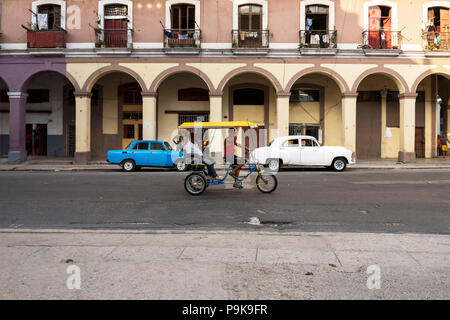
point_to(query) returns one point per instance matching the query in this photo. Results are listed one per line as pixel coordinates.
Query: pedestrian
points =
(438, 145)
(36, 142)
(444, 142)
(29, 142)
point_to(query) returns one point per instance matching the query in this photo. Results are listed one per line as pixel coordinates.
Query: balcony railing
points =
(381, 39)
(318, 39)
(114, 38)
(45, 38)
(250, 39)
(437, 40)
(182, 38)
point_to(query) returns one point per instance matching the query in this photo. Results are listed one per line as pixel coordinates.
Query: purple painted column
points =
(17, 148)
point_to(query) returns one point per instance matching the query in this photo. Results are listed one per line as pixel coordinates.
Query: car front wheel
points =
(128, 166)
(180, 165)
(339, 164)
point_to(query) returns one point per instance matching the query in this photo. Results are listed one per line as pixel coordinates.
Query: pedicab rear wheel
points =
(195, 183)
(266, 183)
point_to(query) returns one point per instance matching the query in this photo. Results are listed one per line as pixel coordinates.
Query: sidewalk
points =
(66, 164)
(227, 265)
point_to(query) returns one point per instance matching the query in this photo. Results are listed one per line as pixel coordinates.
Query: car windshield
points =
(128, 146)
(168, 146)
(270, 143)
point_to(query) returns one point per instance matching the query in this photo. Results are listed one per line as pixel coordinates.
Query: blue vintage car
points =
(147, 153)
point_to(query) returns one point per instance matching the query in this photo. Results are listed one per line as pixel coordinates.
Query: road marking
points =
(403, 182)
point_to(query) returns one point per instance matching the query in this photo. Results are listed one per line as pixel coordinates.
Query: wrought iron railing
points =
(114, 38)
(437, 40)
(318, 39)
(182, 38)
(383, 39)
(250, 38)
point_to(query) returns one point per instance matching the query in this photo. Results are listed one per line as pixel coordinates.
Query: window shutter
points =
(57, 17)
(244, 22)
(256, 22)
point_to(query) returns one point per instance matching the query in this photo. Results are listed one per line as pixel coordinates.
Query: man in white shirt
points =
(192, 150)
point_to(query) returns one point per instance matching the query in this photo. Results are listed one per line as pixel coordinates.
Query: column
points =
(407, 127)
(149, 116)
(349, 120)
(82, 127)
(282, 115)
(428, 120)
(17, 148)
(383, 123)
(215, 115)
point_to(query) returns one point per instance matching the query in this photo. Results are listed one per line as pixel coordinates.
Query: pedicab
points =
(197, 181)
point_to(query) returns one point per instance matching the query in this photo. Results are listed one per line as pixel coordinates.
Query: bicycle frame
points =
(252, 168)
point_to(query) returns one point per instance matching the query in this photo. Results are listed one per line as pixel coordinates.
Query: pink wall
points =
(216, 20)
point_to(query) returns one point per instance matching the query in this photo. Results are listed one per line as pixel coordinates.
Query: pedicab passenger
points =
(193, 150)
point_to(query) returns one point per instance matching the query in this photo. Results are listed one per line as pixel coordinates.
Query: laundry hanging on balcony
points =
(174, 35)
(42, 21)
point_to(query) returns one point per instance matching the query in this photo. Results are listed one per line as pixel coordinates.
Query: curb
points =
(212, 232)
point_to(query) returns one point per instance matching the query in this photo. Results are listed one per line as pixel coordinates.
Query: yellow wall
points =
(168, 100)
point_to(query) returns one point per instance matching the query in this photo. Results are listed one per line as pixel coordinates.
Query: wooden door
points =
(116, 35)
(250, 26)
(387, 32)
(374, 27)
(420, 142)
(368, 128)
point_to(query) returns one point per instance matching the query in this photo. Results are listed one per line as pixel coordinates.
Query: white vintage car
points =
(303, 151)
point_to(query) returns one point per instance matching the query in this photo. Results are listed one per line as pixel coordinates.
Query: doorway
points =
(250, 26)
(380, 27)
(36, 139)
(368, 124)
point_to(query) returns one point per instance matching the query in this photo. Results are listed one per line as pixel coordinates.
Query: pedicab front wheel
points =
(266, 183)
(195, 183)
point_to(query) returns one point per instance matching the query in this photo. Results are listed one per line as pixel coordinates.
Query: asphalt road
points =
(397, 201)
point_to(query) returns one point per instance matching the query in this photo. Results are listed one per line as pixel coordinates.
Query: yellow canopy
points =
(218, 125)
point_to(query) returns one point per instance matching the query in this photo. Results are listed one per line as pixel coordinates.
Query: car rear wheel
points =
(128, 165)
(339, 164)
(273, 165)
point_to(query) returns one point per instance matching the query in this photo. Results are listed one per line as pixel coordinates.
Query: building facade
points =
(80, 77)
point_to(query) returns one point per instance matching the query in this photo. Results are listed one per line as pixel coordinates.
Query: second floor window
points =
(116, 25)
(49, 17)
(316, 18)
(380, 31)
(183, 17)
(250, 17)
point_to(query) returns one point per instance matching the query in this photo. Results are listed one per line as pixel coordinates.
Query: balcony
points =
(250, 40)
(318, 42)
(182, 40)
(381, 42)
(437, 41)
(114, 38)
(45, 38)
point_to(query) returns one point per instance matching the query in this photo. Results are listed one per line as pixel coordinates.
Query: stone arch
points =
(336, 77)
(392, 74)
(250, 69)
(423, 76)
(95, 76)
(25, 84)
(180, 69)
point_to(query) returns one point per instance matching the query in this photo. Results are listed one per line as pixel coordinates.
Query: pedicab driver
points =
(231, 158)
